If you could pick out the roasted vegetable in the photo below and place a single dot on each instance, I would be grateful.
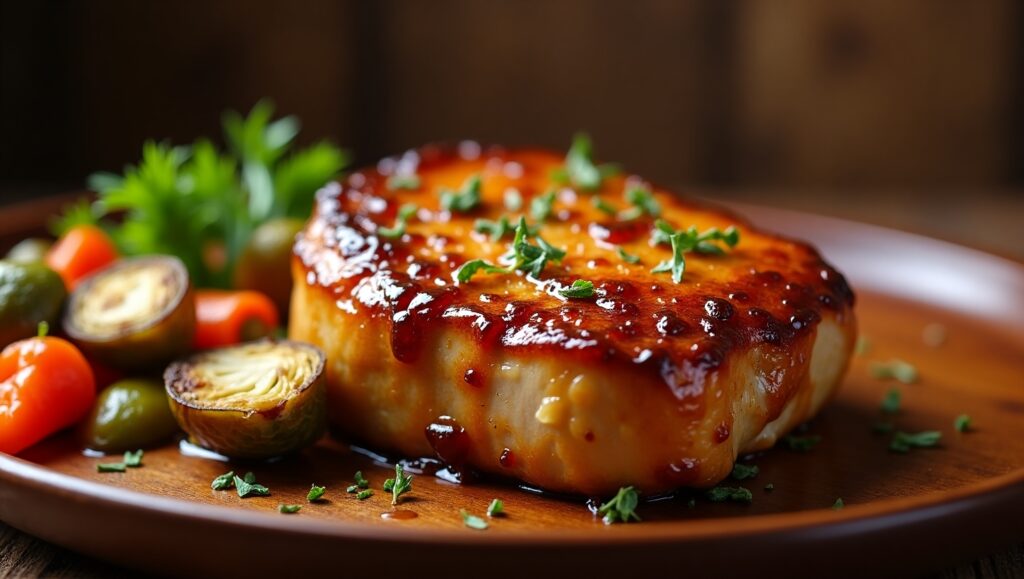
(137, 314)
(127, 415)
(45, 386)
(226, 318)
(256, 400)
(265, 264)
(29, 293)
(81, 251)
(31, 250)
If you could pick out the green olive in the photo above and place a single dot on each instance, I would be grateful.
(29, 293)
(31, 250)
(136, 314)
(129, 414)
(265, 264)
(255, 400)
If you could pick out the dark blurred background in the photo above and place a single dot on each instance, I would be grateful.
(905, 113)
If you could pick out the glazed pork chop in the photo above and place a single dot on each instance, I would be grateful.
(536, 316)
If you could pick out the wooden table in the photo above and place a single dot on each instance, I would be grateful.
(986, 219)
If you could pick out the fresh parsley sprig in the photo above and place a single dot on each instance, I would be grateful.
(315, 493)
(398, 486)
(903, 442)
(496, 508)
(742, 471)
(580, 289)
(542, 206)
(408, 182)
(729, 494)
(642, 201)
(473, 521)
(691, 239)
(621, 508)
(405, 212)
(523, 256)
(464, 200)
(579, 168)
(248, 487)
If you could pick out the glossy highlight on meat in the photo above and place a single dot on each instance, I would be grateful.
(648, 382)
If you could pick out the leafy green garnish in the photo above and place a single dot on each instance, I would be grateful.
(496, 508)
(733, 494)
(183, 201)
(365, 494)
(495, 229)
(315, 493)
(742, 471)
(224, 481)
(472, 521)
(838, 504)
(684, 241)
(288, 509)
(409, 182)
(525, 257)
(621, 508)
(404, 213)
(902, 442)
(801, 443)
(513, 199)
(542, 206)
(579, 168)
(470, 268)
(643, 201)
(891, 402)
(133, 459)
(465, 199)
(247, 487)
(677, 265)
(962, 423)
(399, 485)
(627, 257)
(361, 480)
(894, 369)
(603, 206)
(580, 289)
(111, 467)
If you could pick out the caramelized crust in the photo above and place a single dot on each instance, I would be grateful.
(649, 382)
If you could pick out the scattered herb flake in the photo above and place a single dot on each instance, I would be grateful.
(365, 494)
(473, 521)
(895, 370)
(839, 504)
(465, 199)
(744, 471)
(962, 423)
(249, 477)
(643, 200)
(133, 459)
(580, 289)
(398, 486)
(409, 182)
(603, 206)
(542, 206)
(494, 229)
(801, 443)
(315, 493)
(405, 212)
(580, 169)
(684, 241)
(288, 509)
(627, 257)
(361, 480)
(496, 508)
(224, 481)
(903, 442)
(352, 489)
(732, 494)
(891, 402)
(621, 508)
(111, 467)
(247, 487)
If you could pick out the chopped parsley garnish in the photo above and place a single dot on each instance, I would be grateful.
(495, 229)
(404, 213)
(513, 199)
(962, 423)
(801, 443)
(247, 487)
(684, 241)
(627, 257)
(496, 508)
(643, 201)
(580, 289)
(407, 182)
(111, 467)
(288, 509)
(902, 442)
(580, 169)
(470, 268)
(733, 494)
(365, 494)
(473, 521)
(361, 480)
(399, 485)
(133, 459)
(621, 508)
(769, 487)
(891, 402)
(315, 493)
(744, 471)
(465, 199)
(542, 206)
(895, 370)
(838, 504)
(603, 206)
(224, 481)
(528, 258)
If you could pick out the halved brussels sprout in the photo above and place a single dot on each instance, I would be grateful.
(136, 314)
(255, 400)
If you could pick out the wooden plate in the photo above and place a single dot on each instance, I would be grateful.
(903, 512)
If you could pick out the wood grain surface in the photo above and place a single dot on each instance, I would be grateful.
(975, 369)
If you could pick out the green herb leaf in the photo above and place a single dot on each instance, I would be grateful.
(891, 402)
(603, 206)
(352, 489)
(111, 467)
(742, 471)
(580, 169)
(684, 241)
(580, 289)
(405, 212)
(365, 494)
(495, 229)
(962, 423)
(465, 199)
(621, 508)
(839, 504)
(496, 508)
(903, 442)
(224, 481)
(399, 485)
(542, 206)
(643, 200)
(801, 443)
(407, 182)
(315, 493)
(288, 509)
(894, 369)
(361, 480)
(677, 265)
(470, 268)
(513, 199)
(626, 257)
(247, 487)
(133, 459)
(473, 521)
(732, 494)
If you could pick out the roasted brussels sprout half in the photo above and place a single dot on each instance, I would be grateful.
(127, 415)
(138, 313)
(255, 400)
(29, 293)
